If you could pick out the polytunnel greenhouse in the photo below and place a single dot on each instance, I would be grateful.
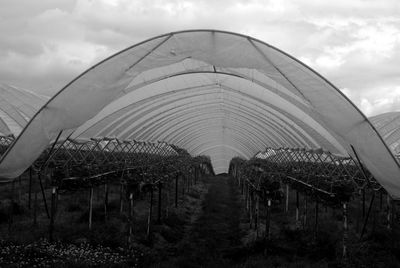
(202, 102)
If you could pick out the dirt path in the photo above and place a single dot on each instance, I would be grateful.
(216, 234)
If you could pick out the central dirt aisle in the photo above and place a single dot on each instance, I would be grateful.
(216, 233)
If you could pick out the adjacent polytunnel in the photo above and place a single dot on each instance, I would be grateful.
(17, 107)
(210, 92)
(388, 125)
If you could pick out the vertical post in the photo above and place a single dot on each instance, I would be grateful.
(30, 188)
(297, 207)
(121, 199)
(251, 208)
(256, 211)
(316, 220)
(363, 203)
(105, 201)
(247, 197)
(130, 219)
(90, 207)
(53, 211)
(287, 198)
(150, 214)
(159, 202)
(176, 191)
(184, 182)
(43, 194)
(35, 205)
(268, 221)
(19, 189)
(305, 212)
(345, 227)
(168, 200)
(388, 212)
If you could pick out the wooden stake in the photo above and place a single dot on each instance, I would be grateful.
(130, 219)
(105, 201)
(35, 206)
(268, 221)
(90, 207)
(121, 199)
(297, 207)
(305, 212)
(43, 194)
(345, 235)
(150, 214)
(256, 212)
(159, 202)
(363, 203)
(30, 188)
(287, 198)
(316, 220)
(176, 191)
(388, 212)
(52, 214)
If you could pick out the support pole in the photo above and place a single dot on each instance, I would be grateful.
(297, 207)
(43, 194)
(363, 203)
(305, 212)
(287, 198)
(150, 214)
(121, 198)
(345, 235)
(251, 209)
(52, 214)
(90, 207)
(159, 202)
(35, 207)
(257, 206)
(130, 219)
(176, 191)
(388, 212)
(30, 188)
(366, 218)
(105, 201)
(316, 220)
(268, 221)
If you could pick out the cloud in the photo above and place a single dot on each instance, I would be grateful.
(355, 44)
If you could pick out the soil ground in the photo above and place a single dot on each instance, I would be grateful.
(209, 228)
(216, 235)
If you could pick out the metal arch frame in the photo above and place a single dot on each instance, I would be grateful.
(198, 148)
(163, 127)
(206, 121)
(245, 151)
(264, 86)
(183, 130)
(202, 131)
(273, 91)
(264, 118)
(316, 134)
(248, 115)
(332, 87)
(175, 134)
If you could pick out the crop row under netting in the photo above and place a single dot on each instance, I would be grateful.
(320, 176)
(137, 167)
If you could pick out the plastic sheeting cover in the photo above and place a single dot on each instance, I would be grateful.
(17, 107)
(211, 92)
(388, 125)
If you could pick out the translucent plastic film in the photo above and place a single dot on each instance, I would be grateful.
(210, 92)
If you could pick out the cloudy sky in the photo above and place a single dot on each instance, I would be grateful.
(354, 43)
